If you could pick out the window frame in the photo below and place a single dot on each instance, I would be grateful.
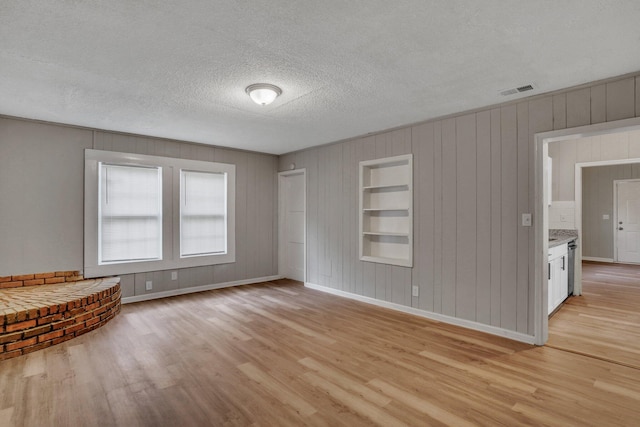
(171, 171)
(101, 186)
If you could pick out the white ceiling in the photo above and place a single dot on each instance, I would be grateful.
(178, 69)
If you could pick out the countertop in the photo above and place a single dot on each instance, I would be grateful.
(559, 237)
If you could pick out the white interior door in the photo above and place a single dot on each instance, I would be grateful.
(292, 191)
(627, 230)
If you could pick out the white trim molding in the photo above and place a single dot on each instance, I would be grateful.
(176, 292)
(481, 327)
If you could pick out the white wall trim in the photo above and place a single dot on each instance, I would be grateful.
(596, 259)
(517, 336)
(184, 291)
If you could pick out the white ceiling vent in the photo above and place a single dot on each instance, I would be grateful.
(519, 89)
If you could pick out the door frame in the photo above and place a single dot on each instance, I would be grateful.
(615, 213)
(282, 176)
(541, 214)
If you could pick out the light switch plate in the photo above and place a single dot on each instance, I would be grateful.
(605, 216)
(526, 220)
(415, 291)
(148, 285)
(174, 275)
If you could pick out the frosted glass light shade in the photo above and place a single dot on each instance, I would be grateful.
(263, 93)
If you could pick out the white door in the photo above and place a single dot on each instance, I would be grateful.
(292, 189)
(627, 229)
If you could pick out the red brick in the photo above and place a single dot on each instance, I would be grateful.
(37, 331)
(11, 318)
(20, 344)
(83, 317)
(32, 313)
(14, 284)
(5, 338)
(5, 279)
(44, 275)
(65, 273)
(34, 282)
(54, 280)
(20, 316)
(23, 277)
(36, 347)
(62, 339)
(92, 321)
(99, 311)
(93, 306)
(74, 328)
(74, 313)
(44, 311)
(63, 324)
(21, 325)
(74, 278)
(10, 354)
(49, 319)
(50, 336)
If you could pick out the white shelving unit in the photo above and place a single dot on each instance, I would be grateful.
(386, 210)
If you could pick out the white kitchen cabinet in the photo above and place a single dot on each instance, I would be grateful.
(386, 210)
(558, 276)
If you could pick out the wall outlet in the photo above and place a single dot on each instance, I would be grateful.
(526, 220)
(605, 216)
(174, 275)
(148, 285)
(415, 291)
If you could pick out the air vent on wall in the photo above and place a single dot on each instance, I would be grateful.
(524, 88)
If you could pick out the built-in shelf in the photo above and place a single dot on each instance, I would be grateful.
(384, 187)
(386, 210)
(384, 233)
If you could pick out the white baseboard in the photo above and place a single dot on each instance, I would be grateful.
(493, 330)
(596, 259)
(175, 292)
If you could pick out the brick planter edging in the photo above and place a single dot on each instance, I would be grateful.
(18, 281)
(38, 317)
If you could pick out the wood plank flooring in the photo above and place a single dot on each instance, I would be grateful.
(278, 354)
(603, 322)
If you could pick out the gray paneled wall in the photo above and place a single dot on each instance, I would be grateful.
(473, 178)
(41, 213)
(565, 154)
(597, 200)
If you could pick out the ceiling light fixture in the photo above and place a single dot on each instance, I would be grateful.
(263, 93)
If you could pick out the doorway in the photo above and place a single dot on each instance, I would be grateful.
(291, 224)
(618, 153)
(627, 221)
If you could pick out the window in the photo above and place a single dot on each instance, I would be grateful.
(130, 219)
(150, 213)
(202, 213)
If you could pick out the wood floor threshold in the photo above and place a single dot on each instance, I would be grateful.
(592, 356)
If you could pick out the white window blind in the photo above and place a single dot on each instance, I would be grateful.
(130, 216)
(203, 210)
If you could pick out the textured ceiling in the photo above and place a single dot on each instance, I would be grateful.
(178, 69)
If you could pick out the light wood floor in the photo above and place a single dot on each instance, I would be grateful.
(604, 322)
(282, 355)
